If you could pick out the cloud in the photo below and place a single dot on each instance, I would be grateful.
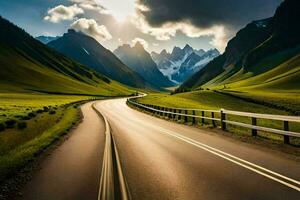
(155, 44)
(91, 28)
(219, 19)
(143, 42)
(60, 13)
(92, 5)
(206, 13)
(169, 30)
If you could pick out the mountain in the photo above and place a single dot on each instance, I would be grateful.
(193, 63)
(182, 63)
(188, 67)
(87, 51)
(27, 65)
(258, 50)
(201, 52)
(46, 39)
(139, 60)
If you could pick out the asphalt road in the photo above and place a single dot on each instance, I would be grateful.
(164, 160)
(72, 171)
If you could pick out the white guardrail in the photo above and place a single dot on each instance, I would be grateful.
(184, 113)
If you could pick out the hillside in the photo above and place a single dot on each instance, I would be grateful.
(139, 60)
(27, 65)
(87, 51)
(261, 49)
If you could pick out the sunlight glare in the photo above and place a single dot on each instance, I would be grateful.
(120, 9)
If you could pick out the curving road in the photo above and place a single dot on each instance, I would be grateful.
(164, 160)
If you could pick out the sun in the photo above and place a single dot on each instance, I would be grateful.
(120, 9)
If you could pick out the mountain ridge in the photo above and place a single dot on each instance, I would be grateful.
(256, 49)
(139, 60)
(175, 66)
(46, 39)
(86, 50)
(27, 65)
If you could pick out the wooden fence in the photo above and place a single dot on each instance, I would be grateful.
(211, 115)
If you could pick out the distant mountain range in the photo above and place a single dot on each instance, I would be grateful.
(182, 63)
(46, 39)
(133, 66)
(264, 54)
(139, 60)
(27, 65)
(86, 50)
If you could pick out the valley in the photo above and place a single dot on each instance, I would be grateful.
(145, 100)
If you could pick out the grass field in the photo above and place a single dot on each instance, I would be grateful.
(214, 100)
(31, 122)
(280, 99)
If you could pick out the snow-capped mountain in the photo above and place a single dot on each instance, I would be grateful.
(140, 61)
(182, 63)
(47, 39)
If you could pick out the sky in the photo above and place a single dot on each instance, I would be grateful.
(157, 24)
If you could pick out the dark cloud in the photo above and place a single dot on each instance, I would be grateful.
(206, 13)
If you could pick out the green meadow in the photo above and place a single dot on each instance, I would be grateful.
(29, 123)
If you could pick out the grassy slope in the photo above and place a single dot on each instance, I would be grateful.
(279, 86)
(20, 147)
(19, 74)
(28, 65)
(284, 76)
(47, 117)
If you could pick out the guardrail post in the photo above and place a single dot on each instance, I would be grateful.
(166, 114)
(254, 123)
(194, 118)
(286, 138)
(223, 118)
(170, 115)
(213, 117)
(202, 119)
(174, 115)
(179, 116)
(185, 117)
(158, 110)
